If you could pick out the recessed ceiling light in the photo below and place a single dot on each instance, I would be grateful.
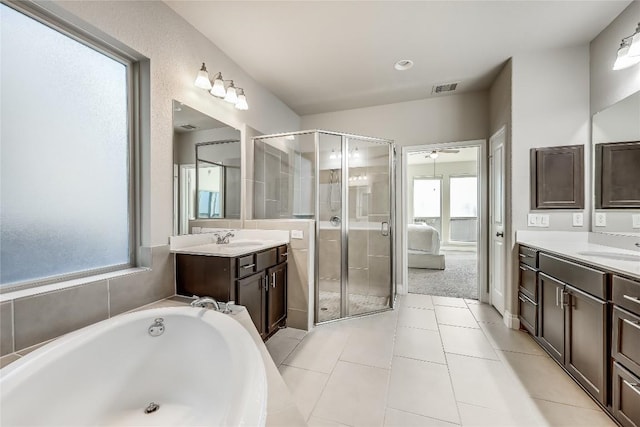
(403, 64)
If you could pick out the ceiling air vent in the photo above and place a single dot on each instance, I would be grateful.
(188, 127)
(447, 87)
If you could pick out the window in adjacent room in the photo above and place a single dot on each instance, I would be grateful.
(427, 201)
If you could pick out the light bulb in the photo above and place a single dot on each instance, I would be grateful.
(333, 156)
(218, 86)
(232, 95)
(202, 79)
(624, 60)
(433, 155)
(241, 104)
(356, 153)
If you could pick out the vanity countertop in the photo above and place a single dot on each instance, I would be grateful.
(576, 245)
(232, 249)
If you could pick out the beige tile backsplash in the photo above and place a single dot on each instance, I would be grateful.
(27, 321)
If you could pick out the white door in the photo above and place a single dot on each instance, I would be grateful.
(497, 250)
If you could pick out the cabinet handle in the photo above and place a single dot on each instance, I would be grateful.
(634, 324)
(632, 298)
(557, 297)
(273, 279)
(632, 386)
(248, 266)
(285, 254)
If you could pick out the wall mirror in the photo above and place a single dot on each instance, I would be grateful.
(207, 168)
(616, 167)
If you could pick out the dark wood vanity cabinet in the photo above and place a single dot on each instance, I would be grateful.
(572, 322)
(625, 350)
(257, 281)
(528, 289)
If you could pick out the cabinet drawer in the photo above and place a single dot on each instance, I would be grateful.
(283, 253)
(528, 314)
(626, 293)
(625, 342)
(528, 256)
(246, 266)
(626, 397)
(528, 282)
(584, 278)
(266, 259)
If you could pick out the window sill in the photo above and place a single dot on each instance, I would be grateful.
(37, 290)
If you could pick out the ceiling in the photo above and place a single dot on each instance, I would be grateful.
(320, 56)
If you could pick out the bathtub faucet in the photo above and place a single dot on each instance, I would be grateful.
(203, 301)
(223, 240)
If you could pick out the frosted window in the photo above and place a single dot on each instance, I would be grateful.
(426, 198)
(464, 197)
(64, 154)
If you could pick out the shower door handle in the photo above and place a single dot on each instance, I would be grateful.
(384, 229)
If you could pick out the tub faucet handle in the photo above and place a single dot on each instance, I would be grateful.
(227, 307)
(203, 301)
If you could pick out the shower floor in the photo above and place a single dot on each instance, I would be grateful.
(358, 304)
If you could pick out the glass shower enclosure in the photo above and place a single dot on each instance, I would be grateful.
(346, 184)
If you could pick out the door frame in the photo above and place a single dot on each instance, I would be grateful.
(483, 217)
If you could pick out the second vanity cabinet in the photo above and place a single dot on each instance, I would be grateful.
(257, 281)
(588, 320)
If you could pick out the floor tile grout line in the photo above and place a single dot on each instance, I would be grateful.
(425, 416)
(453, 390)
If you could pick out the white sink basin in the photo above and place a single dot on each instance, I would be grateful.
(612, 255)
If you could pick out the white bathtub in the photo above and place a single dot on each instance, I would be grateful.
(204, 369)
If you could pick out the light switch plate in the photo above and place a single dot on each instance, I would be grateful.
(297, 234)
(544, 220)
(601, 219)
(531, 220)
(636, 220)
(578, 219)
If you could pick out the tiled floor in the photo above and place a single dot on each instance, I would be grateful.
(435, 361)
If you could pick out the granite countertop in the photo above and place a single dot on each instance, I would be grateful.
(233, 249)
(576, 246)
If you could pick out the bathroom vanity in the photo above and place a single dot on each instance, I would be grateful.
(581, 303)
(253, 273)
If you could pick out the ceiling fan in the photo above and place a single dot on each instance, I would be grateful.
(433, 154)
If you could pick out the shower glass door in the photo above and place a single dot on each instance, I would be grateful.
(368, 214)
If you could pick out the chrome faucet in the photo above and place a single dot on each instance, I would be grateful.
(203, 301)
(223, 240)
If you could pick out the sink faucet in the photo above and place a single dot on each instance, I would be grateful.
(203, 301)
(223, 240)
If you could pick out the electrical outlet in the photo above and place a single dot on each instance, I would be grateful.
(636, 220)
(601, 219)
(297, 234)
(578, 219)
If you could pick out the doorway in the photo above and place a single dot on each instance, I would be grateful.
(445, 220)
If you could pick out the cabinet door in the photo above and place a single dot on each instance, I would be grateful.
(276, 296)
(551, 319)
(585, 353)
(251, 294)
(626, 397)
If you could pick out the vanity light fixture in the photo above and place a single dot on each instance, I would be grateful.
(333, 156)
(433, 155)
(629, 51)
(219, 89)
(202, 79)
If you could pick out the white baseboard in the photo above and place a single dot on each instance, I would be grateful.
(511, 320)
